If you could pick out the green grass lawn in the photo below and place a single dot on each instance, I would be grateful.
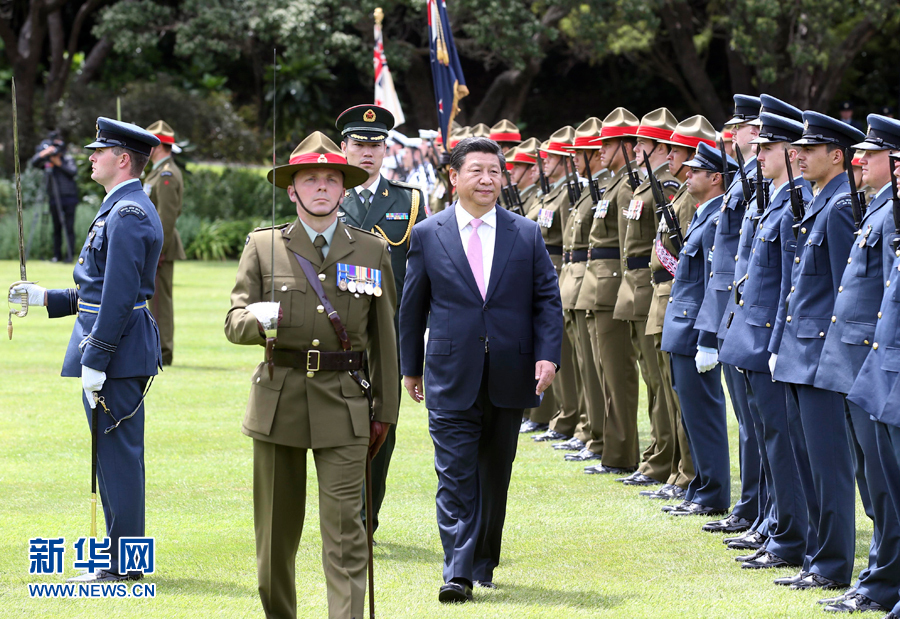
(575, 545)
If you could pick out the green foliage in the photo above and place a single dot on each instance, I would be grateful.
(235, 193)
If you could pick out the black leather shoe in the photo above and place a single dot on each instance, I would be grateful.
(532, 426)
(573, 444)
(697, 510)
(455, 593)
(856, 603)
(639, 479)
(752, 556)
(766, 560)
(731, 524)
(737, 538)
(749, 542)
(615, 470)
(815, 581)
(838, 598)
(671, 508)
(787, 581)
(550, 435)
(583, 456)
(658, 493)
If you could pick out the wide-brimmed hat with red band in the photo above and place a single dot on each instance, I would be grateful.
(560, 143)
(163, 131)
(317, 151)
(619, 123)
(587, 135)
(657, 125)
(506, 131)
(690, 132)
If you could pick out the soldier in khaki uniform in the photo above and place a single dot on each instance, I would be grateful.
(575, 257)
(551, 212)
(165, 186)
(506, 134)
(637, 238)
(309, 400)
(682, 144)
(610, 338)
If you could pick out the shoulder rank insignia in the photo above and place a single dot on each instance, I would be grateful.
(132, 210)
(165, 173)
(359, 280)
(396, 216)
(385, 193)
(346, 192)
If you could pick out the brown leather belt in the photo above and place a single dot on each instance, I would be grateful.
(317, 360)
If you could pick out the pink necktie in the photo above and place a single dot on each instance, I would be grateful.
(476, 261)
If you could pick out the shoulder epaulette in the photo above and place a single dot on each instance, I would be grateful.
(278, 227)
(370, 233)
(405, 185)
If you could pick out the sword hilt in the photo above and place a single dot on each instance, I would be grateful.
(21, 312)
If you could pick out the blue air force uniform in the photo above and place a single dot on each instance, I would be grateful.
(769, 245)
(115, 333)
(701, 396)
(823, 244)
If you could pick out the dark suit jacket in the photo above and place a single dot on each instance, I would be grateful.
(520, 319)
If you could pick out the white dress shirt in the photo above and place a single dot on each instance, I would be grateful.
(487, 233)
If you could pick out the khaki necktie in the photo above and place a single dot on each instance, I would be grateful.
(319, 244)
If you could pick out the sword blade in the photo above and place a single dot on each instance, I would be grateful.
(21, 229)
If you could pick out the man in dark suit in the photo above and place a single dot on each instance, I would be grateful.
(494, 346)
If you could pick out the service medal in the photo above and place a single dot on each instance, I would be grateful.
(342, 284)
(377, 292)
(370, 289)
(351, 286)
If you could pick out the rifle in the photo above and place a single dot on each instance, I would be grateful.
(895, 243)
(725, 176)
(592, 182)
(632, 175)
(665, 210)
(511, 195)
(545, 184)
(745, 184)
(572, 188)
(857, 198)
(762, 191)
(21, 313)
(796, 194)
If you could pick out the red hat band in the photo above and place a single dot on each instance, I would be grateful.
(654, 133)
(615, 132)
(317, 158)
(165, 139)
(506, 137)
(691, 141)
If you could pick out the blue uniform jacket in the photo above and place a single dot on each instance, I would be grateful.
(114, 276)
(823, 245)
(856, 308)
(721, 277)
(875, 388)
(770, 256)
(694, 266)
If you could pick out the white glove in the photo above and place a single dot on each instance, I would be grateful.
(772, 360)
(266, 314)
(36, 294)
(706, 360)
(663, 227)
(91, 381)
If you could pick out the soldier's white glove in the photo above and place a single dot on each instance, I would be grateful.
(706, 359)
(267, 314)
(91, 381)
(36, 294)
(662, 228)
(772, 360)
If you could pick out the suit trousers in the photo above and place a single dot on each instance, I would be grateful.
(831, 496)
(279, 509)
(881, 578)
(752, 503)
(473, 457)
(615, 359)
(681, 471)
(570, 401)
(788, 530)
(656, 461)
(120, 460)
(162, 308)
(597, 403)
(888, 440)
(703, 414)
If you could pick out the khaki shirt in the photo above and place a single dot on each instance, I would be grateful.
(165, 187)
(685, 204)
(576, 237)
(329, 409)
(636, 234)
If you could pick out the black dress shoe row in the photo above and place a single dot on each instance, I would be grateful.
(602, 469)
(639, 479)
(669, 492)
(751, 540)
(532, 426)
(731, 524)
(855, 603)
(816, 581)
(766, 560)
(583, 456)
(573, 444)
(550, 435)
(695, 509)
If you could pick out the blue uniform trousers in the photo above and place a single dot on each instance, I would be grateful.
(789, 527)
(888, 440)
(703, 414)
(752, 504)
(881, 578)
(473, 456)
(120, 460)
(831, 496)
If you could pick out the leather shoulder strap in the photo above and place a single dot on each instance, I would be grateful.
(313, 280)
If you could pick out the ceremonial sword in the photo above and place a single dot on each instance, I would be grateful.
(21, 313)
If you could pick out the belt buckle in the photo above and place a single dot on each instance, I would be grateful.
(309, 360)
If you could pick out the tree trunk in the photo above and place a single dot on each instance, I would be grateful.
(416, 81)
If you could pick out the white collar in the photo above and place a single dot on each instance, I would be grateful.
(463, 217)
(373, 187)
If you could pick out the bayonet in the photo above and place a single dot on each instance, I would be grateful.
(895, 243)
(857, 198)
(762, 191)
(545, 184)
(592, 182)
(511, 194)
(21, 313)
(725, 175)
(797, 206)
(665, 210)
(633, 179)
(571, 189)
(745, 183)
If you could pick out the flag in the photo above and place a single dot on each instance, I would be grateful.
(385, 94)
(449, 83)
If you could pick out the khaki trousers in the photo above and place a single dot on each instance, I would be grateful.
(657, 458)
(279, 507)
(597, 401)
(162, 309)
(615, 359)
(569, 398)
(682, 469)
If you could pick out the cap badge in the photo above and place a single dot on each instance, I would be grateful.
(806, 125)
(369, 116)
(322, 159)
